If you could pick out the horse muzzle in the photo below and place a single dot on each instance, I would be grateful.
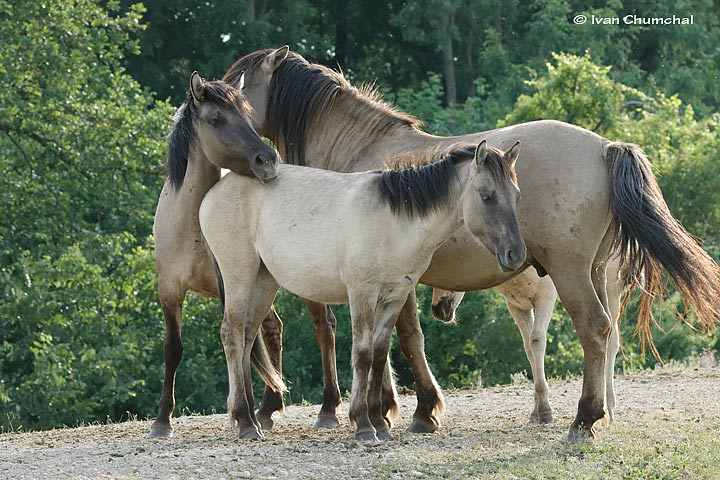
(264, 167)
(443, 310)
(511, 260)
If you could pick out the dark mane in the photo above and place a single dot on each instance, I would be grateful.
(300, 91)
(182, 136)
(419, 190)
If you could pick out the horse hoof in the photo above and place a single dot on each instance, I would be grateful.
(251, 434)
(579, 435)
(417, 426)
(266, 423)
(160, 432)
(366, 437)
(384, 435)
(327, 421)
(541, 418)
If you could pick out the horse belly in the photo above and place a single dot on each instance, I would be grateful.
(305, 272)
(463, 264)
(318, 288)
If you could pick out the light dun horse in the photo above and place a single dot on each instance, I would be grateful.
(363, 239)
(211, 131)
(582, 195)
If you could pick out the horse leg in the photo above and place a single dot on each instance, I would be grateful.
(272, 401)
(234, 340)
(324, 324)
(258, 310)
(614, 291)
(525, 321)
(430, 403)
(239, 286)
(380, 369)
(362, 313)
(171, 301)
(577, 290)
(544, 306)
(613, 347)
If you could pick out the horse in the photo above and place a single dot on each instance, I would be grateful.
(530, 299)
(584, 196)
(358, 238)
(211, 130)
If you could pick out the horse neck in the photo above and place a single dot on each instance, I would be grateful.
(200, 177)
(343, 139)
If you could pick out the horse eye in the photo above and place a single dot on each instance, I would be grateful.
(486, 196)
(215, 119)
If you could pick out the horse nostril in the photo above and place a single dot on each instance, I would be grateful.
(511, 256)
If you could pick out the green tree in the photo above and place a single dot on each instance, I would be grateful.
(81, 153)
(209, 36)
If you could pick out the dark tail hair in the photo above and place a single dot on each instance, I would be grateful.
(264, 367)
(649, 238)
(259, 356)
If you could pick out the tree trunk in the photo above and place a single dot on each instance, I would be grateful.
(448, 62)
(340, 32)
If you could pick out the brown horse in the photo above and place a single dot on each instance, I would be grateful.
(583, 196)
(214, 125)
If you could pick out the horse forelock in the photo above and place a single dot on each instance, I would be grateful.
(225, 95)
(500, 167)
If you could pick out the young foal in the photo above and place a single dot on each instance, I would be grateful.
(363, 239)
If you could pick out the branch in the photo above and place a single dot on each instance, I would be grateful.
(45, 142)
(25, 155)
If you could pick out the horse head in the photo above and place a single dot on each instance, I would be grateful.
(256, 71)
(222, 129)
(489, 205)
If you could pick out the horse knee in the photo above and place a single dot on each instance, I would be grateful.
(362, 357)
(538, 339)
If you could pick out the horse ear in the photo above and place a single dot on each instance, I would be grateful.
(241, 83)
(512, 154)
(481, 153)
(274, 59)
(197, 88)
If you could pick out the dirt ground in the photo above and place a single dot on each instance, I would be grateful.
(489, 424)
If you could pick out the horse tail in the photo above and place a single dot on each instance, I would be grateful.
(649, 238)
(259, 356)
(263, 365)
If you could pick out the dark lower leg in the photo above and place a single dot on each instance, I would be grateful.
(324, 325)
(592, 323)
(412, 342)
(173, 350)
